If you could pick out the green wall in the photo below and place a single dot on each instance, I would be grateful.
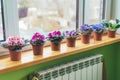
(111, 58)
(117, 56)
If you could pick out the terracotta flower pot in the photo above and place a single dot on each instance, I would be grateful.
(85, 39)
(15, 55)
(111, 34)
(37, 50)
(98, 36)
(55, 47)
(71, 42)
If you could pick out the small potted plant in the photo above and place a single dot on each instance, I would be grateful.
(112, 26)
(98, 31)
(55, 37)
(37, 41)
(14, 44)
(85, 31)
(71, 38)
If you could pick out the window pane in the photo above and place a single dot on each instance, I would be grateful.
(1, 24)
(93, 11)
(45, 16)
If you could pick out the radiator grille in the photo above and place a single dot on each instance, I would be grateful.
(89, 68)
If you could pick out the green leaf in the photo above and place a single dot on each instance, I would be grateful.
(117, 21)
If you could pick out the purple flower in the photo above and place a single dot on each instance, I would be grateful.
(85, 29)
(72, 33)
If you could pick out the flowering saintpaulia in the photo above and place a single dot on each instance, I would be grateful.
(98, 28)
(112, 21)
(55, 34)
(72, 33)
(85, 29)
(38, 36)
(15, 41)
(37, 39)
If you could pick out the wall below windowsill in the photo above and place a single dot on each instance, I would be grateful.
(28, 59)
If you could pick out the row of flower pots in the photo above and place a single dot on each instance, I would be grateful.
(15, 43)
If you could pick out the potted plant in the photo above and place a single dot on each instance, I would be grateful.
(14, 44)
(55, 37)
(112, 26)
(37, 41)
(23, 8)
(71, 38)
(98, 31)
(85, 31)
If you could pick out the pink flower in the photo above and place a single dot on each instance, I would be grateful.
(42, 37)
(14, 41)
(112, 21)
(50, 35)
(54, 34)
(38, 36)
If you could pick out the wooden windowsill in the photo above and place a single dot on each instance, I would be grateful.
(28, 59)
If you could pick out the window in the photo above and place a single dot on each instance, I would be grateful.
(48, 15)
(45, 16)
(2, 29)
(94, 11)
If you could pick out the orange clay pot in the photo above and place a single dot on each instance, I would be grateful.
(71, 42)
(55, 47)
(111, 34)
(15, 55)
(85, 39)
(37, 49)
(98, 36)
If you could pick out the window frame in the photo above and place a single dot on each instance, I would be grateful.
(3, 24)
(12, 14)
(104, 8)
(11, 17)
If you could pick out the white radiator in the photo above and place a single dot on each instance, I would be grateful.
(89, 68)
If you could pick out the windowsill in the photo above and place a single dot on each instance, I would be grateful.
(28, 59)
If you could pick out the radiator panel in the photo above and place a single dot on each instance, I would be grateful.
(89, 68)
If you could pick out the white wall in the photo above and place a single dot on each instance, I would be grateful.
(115, 9)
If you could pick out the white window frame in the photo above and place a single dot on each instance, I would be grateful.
(108, 9)
(86, 10)
(11, 17)
(12, 20)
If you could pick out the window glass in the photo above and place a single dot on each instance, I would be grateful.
(1, 23)
(93, 11)
(45, 16)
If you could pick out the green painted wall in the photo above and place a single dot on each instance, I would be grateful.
(117, 69)
(110, 53)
